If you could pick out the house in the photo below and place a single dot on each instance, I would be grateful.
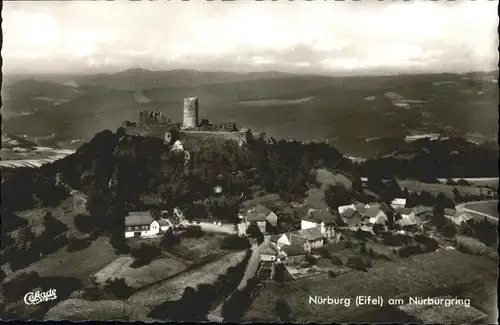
(141, 224)
(322, 218)
(268, 252)
(450, 212)
(375, 215)
(262, 216)
(307, 238)
(79, 202)
(409, 222)
(295, 253)
(343, 208)
(404, 212)
(350, 213)
(313, 236)
(398, 203)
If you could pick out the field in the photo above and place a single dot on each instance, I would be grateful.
(83, 310)
(172, 289)
(79, 264)
(418, 275)
(490, 208)
(141, 276)
(191, 249)
(416, 186)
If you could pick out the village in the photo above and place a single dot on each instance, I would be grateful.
(326, 242)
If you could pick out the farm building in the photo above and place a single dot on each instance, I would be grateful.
(143, 224)
(322, 218)
(262, 216)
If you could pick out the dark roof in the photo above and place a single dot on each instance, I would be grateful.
(360, 207)
(372, 211)
(350, 213)
(353, 220)
(303, 211)
(403, 210)
(295, 250)
(311, 233)
(258, 213)
(164, 222)
(269, 248)
(322, 215)
(295, 237)
(139, 218)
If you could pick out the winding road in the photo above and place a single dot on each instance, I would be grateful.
(463, 208)
(251, 270)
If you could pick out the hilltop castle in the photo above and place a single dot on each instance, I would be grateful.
(155, 124)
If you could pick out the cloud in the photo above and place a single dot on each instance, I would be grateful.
(299, 36)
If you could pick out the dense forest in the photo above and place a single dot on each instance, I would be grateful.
(427, 160)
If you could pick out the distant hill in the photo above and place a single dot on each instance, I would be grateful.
(344, 110)
(428, 160)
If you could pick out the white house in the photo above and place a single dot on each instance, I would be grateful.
(398, 203)
(343, 208)
(142, 224)
(405, 212)
(322, 219)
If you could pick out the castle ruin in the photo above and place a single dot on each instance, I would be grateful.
(155, 124)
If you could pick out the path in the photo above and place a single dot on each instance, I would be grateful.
(251, 270)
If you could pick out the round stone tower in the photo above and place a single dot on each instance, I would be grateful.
(190, 112)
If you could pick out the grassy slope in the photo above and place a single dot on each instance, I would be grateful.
(172, 289)
(490, 208)
(80, 264)
(418, 275)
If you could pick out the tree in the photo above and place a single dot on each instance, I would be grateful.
(254, 231)
(145, 254)
(337, 195)
(283, 310)
(169, 239)
(118, 287)
(378, 228)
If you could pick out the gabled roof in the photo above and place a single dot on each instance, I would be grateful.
(350, 213)
(165, 223)
(269, 248)
(311, 233)
(322, 215)
(139, 218)
(403, 210)
(258, 213)
(296, 237)
(295, 249)
(360, 207)
(373, 211)
(303, 211)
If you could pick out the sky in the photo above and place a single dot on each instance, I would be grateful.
(326, 37)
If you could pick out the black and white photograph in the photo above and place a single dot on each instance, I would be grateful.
(250, 161)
